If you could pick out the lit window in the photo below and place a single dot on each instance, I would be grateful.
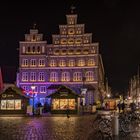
(41, 62)
(71, 63)
(24, 62)
(77, 76)
(53, 76)
(38, 49)
(52, 63)
(91, 62)
(86, 51)
(33, 76)
(89, 76)
(65, 76)
(64, 51)
(24, 76)
(42, 89)
(33, 62)
(70, 51)
(41, 76)
(33, 49)
(81, 62)
(62, 63)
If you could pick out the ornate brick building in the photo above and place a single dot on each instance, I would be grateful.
(72, 60)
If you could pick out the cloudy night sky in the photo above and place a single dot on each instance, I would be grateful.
(115, 24)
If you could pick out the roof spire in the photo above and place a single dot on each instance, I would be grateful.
(72, 9)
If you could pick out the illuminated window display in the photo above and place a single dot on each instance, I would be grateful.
(10, 104)
(63, 104)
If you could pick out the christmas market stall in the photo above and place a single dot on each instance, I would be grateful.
(13, 101)
(64, 100)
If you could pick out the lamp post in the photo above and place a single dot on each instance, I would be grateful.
(33, 88)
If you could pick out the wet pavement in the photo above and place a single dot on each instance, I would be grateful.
(49, 128)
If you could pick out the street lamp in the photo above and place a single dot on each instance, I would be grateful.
(33, 88)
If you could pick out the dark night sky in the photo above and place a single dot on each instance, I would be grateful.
(115, 24)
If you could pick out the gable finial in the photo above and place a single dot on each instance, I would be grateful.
(34, 26)
(72, 9)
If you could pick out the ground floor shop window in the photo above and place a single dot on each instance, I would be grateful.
(10, 104)
(63, 104)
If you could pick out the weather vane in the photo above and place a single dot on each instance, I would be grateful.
(34, 25)
(72, 9)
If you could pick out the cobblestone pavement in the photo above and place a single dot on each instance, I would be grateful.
(47, 128)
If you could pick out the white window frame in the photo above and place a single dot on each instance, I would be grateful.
(42, 89)
(81, 62)
(53, 76)
(41, 62)
(53, 63)
(33, 76)
(33, 62)
(41, 76)
(24, 76)
(62, 63)
(89, 76)
(25, 62)
(65, 76)
(77, 76)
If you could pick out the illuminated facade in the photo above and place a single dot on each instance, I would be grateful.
(72, 60)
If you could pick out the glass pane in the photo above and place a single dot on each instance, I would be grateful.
(10, 104)
(17, 104)
(55, 103)
(63, 104)
(3, 104)
(71, 104)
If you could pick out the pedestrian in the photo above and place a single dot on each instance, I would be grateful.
(119, 107)
(106, 105)
(123, 107)
(67, 112)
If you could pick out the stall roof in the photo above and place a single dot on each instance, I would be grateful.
(15, 90)
(62, 90)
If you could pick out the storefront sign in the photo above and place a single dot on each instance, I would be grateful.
(7, 96)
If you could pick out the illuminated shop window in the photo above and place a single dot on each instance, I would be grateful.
(41, 62)
(33, 76)
(65, 76)
(11, 104)
(42, 89)
(24, 76)
(89, 76)
(53, 76)
(41, 76)
(71, 63)
(81, 62)
(91, 62)
(52, 63)
(33, 62)
(77, 76)
(63, 104)
(24, 62)
(62, 63)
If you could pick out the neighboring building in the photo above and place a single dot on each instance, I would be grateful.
(1, 81)
(72, 60)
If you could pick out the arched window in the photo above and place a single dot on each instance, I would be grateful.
(52, 63)
(62, 63)
(38, 49)
(71, 63)
(89, 76)
(81, 62)
(91, 62)
(77, 76)
(33, 49)
(65, 76)
(29, 49)
(53, 76)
